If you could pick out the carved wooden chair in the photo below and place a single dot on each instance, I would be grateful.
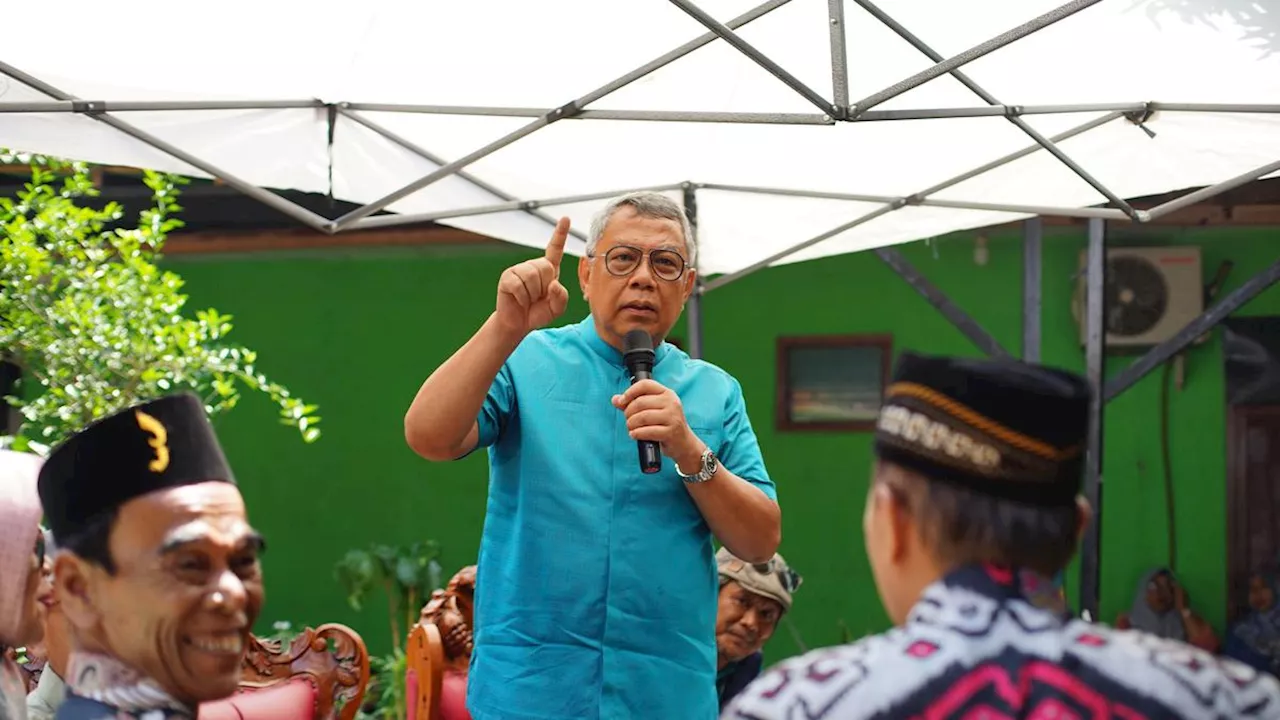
(439, 651)
(321, 675)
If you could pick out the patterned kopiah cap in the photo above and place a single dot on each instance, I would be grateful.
(1002, 427)
(153, 446)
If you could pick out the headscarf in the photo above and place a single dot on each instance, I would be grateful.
(19, 524)
(1260, 629)
(1144, 617)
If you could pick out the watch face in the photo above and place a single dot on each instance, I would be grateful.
(709, 463)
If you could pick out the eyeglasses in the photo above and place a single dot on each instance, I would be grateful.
(622, 260)
(789, 578)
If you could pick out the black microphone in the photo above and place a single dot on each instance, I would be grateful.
(638, 356)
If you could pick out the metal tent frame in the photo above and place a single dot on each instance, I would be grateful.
(837, 109)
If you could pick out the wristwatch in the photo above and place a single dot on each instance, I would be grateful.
(710, 464)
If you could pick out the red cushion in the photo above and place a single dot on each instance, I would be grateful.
(453, 697)
(295, 700)
(411, 694)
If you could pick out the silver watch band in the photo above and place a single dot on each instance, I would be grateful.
(708, 467)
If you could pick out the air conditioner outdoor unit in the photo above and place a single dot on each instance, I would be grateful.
(1151, 293)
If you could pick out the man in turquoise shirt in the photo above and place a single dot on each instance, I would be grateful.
(596, 587)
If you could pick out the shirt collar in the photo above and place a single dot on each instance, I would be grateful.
(996, 582)
(107, 680)
(50, 690)
(587, 330)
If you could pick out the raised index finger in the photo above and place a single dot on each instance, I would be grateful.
(555, 248)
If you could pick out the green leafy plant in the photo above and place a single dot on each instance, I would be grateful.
(386, 699)
(406, 575)
(87, 314)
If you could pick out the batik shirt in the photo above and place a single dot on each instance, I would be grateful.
(974, 647)
(102, 688)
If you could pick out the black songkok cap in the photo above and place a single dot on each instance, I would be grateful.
(1003, 428)
(148, 447)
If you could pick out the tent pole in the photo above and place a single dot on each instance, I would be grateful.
(1162, 353)
(903, 202)
(266, 197)
(382, 221)
(1095, 365)
(444, 171)
(759, 58)
(694, 318)
(463, 174)
(1082, 212)
(839, 58)
(963, 322)
(568, 109)
(100, 106)
(756, 118)
(970, 55)
(990, 99)
(1032, 271)
(1215, 107)
(997, 110)
(1196, 196)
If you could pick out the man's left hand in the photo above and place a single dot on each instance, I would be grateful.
(654, 412)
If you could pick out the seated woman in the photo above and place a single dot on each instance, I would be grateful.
(1162, 607)
(753, 598)
(21, 560)
(43, 701)
(1255, 638)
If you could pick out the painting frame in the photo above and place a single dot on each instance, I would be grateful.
(787, 419)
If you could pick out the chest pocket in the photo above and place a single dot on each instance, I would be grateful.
(711, 433)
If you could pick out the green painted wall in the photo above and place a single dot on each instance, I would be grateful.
(357, 333)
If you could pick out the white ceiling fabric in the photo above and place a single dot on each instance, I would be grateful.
(505, 53)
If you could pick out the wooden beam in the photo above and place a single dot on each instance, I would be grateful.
(197, 243)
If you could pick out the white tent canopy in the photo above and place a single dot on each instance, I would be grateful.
(804, 128)
(364, 99)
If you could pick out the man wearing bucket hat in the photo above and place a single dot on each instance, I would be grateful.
(753, 598)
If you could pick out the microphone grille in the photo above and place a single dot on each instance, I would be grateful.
(637, 340)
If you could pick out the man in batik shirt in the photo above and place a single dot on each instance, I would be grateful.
(977, 479)
(157, 570)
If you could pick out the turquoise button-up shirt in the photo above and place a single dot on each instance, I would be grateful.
(596, 586)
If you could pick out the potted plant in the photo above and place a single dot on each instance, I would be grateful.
(406, 575)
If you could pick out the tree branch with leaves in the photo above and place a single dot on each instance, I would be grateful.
(95, 324)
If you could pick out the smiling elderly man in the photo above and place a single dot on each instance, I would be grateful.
(157, 573)
(596, 587)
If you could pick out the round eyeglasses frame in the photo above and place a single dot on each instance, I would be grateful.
(662, 273)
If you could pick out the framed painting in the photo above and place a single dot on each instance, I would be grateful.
(832, 382)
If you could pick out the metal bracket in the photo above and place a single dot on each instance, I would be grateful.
(930, 292)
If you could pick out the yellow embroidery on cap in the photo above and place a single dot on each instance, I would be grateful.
(159, 438)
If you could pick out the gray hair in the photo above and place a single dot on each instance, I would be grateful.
(646, 204)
